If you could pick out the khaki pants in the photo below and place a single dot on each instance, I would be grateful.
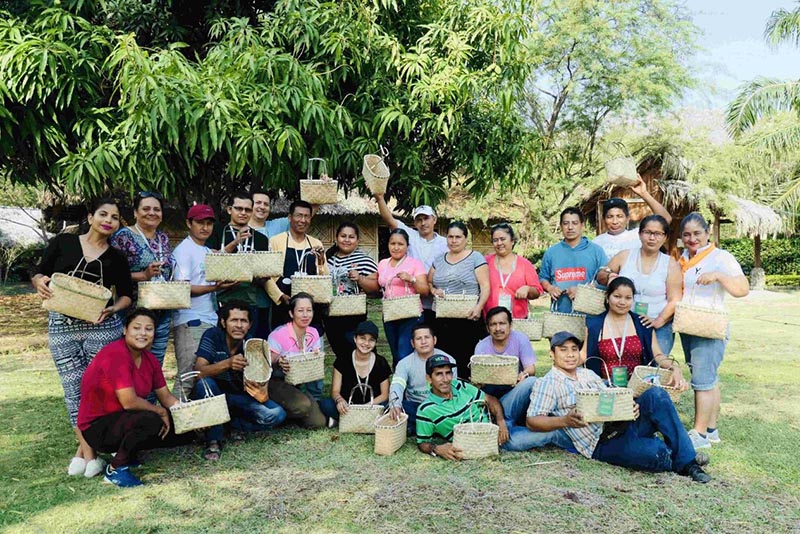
(297, 404)
(187, 339)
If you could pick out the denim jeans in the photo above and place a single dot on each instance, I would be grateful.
(665, 337)
(328, 407)
(247, 414)
(398, 336)
(639, 448)
(515, 407)
(410, 407)
(704, 356)
(161, 337)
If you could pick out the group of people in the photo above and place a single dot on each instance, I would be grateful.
(118, 402)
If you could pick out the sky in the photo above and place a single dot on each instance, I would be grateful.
(734, 51)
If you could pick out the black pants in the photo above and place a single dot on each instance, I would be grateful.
(340, 331)
(458, 337)
(129, 431)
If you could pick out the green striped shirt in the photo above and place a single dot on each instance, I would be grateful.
(437, 415)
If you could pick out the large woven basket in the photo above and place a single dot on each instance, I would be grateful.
(454, 306)
(266, 264)
(588, 402)
(161, 295)
(645, 377)
(318, 191)
(344, 305)
(405, 307)
(318, 286)
(390, 435)
(700, 321)
(531, 327)
(589, 300)
(574, 323)
(621, 171)
(476, 440)
(203, 413)
(257, 354)
(360, 418)
(376, 174)
(76, 297)
(223, 267)
(305, 367)
(497, 369)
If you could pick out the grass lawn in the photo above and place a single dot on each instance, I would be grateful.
(291, 479)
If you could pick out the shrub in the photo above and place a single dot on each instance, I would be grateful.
(778, 256)
(783, 280)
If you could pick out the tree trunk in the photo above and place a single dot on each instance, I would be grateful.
(716, 228)
(757, 252)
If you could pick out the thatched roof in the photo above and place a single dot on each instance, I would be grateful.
(18, 226)
(754, 219)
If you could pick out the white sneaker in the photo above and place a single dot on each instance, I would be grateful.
(698, 441)
(94, 467)
(77, 466)
(713, 437)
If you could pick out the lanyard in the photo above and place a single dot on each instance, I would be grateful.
(504, 281)
(244, 246)
(158, 254)
(299, 254)
(362, 385)
(620, 350)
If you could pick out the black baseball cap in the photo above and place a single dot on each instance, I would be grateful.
(438, 360)
(367, 327)
(559, 338)
(615, 202)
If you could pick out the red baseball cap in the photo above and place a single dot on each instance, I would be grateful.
(198, 212)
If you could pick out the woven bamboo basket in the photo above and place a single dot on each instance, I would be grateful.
(622, 171)
(390, 435)
(454, 306)
(360, 418)
(161, 295)
(223, 267)
(266, 263)
(203, 413)
(344, 305)
(701, 321)
(496, 369)
(589, 300)
(317, 285)
(376, 173)
(258, 369)
(476, 440)
(574, 323)
(76, 297)
(531, 327)
(405, 307)
(318, 191)
(305, 367)
(643, 378)
(588, 402)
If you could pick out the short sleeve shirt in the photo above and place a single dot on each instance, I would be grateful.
(524, 275)
(379, 373)
(284, 342)
(458, 278)
(190, 265)
(341, 267)
(422, 249)
(393, 286)
(213, 348)
(518, 345)
(614, 244)
(438, 416)
(711, 294)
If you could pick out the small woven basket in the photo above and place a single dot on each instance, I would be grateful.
(161, 295)
(223, 267)
(390, 435)
(76, 297)
(476, 440)
(266, 264)
(454, 306)
(317, 285)
(574, 323)
(344, 305)
(203, 413)
(496, 369)
(701, 321)
(322, 191)
(258, 369)
(305, 367)
(621, 171)
(360, 418)
(376, 173)
(588, 402)
(645, 377)
(589, 299)
(531, 327)
(404, 307)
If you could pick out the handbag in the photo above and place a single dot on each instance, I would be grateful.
(390, 434)
(454, 306)
(224, 267)
(209, 411)
(406, 306)
(360, 418)
(376, 172)
(645, 377)
(257, 354)
(165, 294)
(531, 327)
(589, 299)
(75, 297)
(701, 321)
(266, 263)
(603, 405)
(345, 305)
(495, 369)
(305, 367)
(574, 323)
(621, 170)
(320, 191)
(316, 285)
(476, 440)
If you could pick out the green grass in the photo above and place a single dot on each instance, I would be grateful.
(292, 479)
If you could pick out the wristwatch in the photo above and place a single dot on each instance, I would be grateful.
(433, 452)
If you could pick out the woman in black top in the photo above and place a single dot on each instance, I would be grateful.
(74, 342)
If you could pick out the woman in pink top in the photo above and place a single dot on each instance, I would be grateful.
(513, 278)
(400, 275)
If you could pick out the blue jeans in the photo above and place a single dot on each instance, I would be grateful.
(639, 448)
(398, 336)
(704, 356)
(328, 407)
(410, 407)
(665, 337)
(515, 407)
(161, 337)
(247, 414)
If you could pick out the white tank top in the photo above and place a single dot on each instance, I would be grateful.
(651, 289)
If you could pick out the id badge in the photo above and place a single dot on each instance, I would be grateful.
(619, 376)
(640, 308)
(605, 405)
(504, 301)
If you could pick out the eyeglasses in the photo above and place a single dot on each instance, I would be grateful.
(149, 194)
(242, 209)
(648, 233)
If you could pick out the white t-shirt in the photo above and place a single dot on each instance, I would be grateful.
(712, 294)
(422, 249)
(190, 259)
(614, 244)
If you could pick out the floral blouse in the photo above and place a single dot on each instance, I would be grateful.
(141, 252)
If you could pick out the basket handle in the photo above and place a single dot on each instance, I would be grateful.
(714, 298)
(485, 408)
(321, 165)
(605, 365)
(363, 388)
(192, 374)
(83, 261)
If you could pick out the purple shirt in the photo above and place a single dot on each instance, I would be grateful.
(518, 345)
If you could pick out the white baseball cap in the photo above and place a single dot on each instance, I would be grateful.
(423, 210)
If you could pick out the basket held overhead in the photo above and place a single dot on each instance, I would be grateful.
(322, 190)
(376, 172)
(621, 170)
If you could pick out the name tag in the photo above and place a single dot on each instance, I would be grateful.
(605, 405)
(619, 376)
(640, 308)
(504, 301)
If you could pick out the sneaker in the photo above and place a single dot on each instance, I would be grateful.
(713, 437)
(121, 477)
(331, 422)
(699, 442)
(77, 466)
(94, 467)
(696, 473)
(702, 458)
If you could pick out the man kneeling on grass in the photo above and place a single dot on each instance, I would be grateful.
(627, 443)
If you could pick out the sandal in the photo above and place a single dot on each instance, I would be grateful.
(236, 436)
(212, 452)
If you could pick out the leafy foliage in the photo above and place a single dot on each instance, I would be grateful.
(778, 256)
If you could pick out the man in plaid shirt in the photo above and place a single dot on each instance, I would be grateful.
(627, 443)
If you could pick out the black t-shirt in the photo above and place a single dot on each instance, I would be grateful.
(380, 372)
(63, 254)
